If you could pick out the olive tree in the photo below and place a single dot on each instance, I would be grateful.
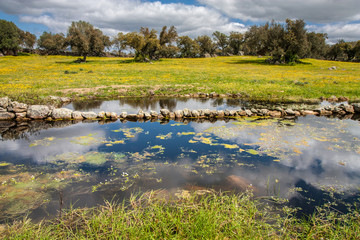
(167, 40)
(10, 37)
(206, 45)
(86, 40)
(52, 43)
(188, 47)
(221, 41)
(145, 43)
(236, 40)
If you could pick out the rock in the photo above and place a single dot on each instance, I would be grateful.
(248, 112)
(147, 115)
(227, 112)
(356, 107)
(172, 115)
(241, 113)
(333, 99)
(264, 112)
(38, 111)
(275, 114)
(203, 95)
(20, 115)
(337, 109)
(253, 110)
(101, 114)
(4, 102)
(89, 115)
(201, 112)
(347, 108)
(61, 113)
(108, 114)
(332, 68)
(207, 112)
(343, 99)
(123, 115)
(329, 108)
(186, 112)
(297, 113)
(77, 115)
(65, 100)
(324, 112)
(3, 109)
(179, 114)
(7, 124)
(153, 114)
(7, 115)
(151, 92)
(220, 114)
(290, 112)
(195, 114)
(132, 116)
(17, 107)
(308, 112)
(213, 113)
(165, 112)
(233, 113)
(140, 114)
(113, 115)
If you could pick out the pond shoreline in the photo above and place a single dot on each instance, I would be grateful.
(13, 110)
(18, 118)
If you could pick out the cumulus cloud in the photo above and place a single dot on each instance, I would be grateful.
(121, 15)
(346, 31)
(317, 11)
(333, 17)
(61, 144)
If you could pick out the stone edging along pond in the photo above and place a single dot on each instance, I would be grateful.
(13, 110)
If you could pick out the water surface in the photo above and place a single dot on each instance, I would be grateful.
(307, 160)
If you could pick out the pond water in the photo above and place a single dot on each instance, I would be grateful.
(308, 160)
(132, 105)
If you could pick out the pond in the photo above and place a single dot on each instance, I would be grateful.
(132, 105)
(55, 165)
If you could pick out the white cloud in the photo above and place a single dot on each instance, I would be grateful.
(121, 15)
(317, 11)
(348, 32)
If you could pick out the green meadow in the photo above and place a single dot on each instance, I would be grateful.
(33, 78)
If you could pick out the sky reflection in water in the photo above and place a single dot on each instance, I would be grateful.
(88, 162)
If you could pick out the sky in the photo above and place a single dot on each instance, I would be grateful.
(340, 19)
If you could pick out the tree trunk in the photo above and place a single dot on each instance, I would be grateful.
(84, 59)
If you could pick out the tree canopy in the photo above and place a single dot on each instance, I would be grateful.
(281, 42)
(86, 40)
(10, 37)
(52, 43)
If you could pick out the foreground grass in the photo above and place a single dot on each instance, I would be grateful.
(35, 77)
(213, 216)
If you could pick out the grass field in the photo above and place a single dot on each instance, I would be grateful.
(31, 78)
(190, 216)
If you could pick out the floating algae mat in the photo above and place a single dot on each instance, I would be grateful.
(308, 161)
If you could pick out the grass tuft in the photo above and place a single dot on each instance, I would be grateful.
(208, 215)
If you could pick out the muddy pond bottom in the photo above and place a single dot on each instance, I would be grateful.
(309, 161)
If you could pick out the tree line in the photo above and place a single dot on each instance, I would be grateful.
(283, 43)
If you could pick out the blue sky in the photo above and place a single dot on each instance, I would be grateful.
(340, 19)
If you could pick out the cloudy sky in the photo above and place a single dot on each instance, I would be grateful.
(340, 19)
